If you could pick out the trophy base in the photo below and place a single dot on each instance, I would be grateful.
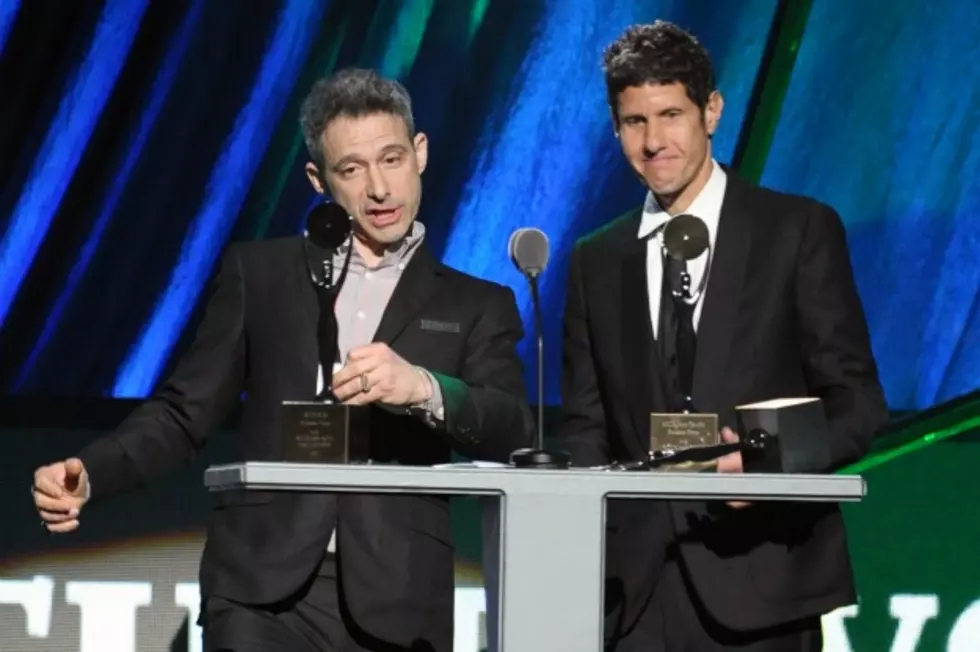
(324, 433)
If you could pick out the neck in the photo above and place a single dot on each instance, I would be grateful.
(372, 252)
(680, 201)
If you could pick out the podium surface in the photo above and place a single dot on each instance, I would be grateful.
(552, 525)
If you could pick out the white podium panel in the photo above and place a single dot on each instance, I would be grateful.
(552, 525)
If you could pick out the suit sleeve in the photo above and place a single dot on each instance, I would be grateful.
(835, 345)
(172, 425)
(583, 423)
(486, 410)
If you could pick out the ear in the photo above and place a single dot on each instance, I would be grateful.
(615, 121)
(421, 144)
(313, 174)
(712, 112)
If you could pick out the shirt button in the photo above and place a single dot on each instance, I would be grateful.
(401, 266)
(368, 275)
(360, 314)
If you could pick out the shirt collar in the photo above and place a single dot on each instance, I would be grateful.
(654, 216)
(396, 254)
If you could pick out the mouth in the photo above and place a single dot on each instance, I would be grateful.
(382, 217)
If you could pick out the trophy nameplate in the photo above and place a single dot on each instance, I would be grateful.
(324, 433)
(674, 432)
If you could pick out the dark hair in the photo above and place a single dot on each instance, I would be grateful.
(351, 93)
(657, 53)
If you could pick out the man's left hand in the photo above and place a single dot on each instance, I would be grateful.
(375, 373)
(731, 463)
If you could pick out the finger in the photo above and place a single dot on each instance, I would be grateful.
(376, 388)
(375, 349)
(346, 373)
(352, 387)
(728, 435)
(355, 385)
(738, 504)
(58, 517)
(729, 463)
(42, 501)
(74, 467)
(365, 398)
(352, 370)
(45, 484)
(68, 526)
(344, 391)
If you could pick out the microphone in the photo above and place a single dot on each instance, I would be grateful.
(528, 248)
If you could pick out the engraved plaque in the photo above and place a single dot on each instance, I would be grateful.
(674, 432)
(324, 433)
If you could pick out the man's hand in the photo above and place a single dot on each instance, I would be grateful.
(60, 492)
(731, 463)
(375, 373)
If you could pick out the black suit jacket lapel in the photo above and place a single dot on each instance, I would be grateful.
(416, 285)
(640, 361)
(301, 385)
(307, 292)
(726, 277)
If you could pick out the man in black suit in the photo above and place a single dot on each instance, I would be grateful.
(432, 350)
(780, 317)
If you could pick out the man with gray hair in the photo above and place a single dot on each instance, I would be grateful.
(430, 349)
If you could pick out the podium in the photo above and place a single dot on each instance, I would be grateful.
(552, 525)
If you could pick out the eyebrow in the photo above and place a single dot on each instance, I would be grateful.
(394, 147)
(355, 158)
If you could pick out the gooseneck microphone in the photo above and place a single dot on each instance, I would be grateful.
(528, 248)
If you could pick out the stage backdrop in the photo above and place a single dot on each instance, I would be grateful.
(138, 137)
(126, 581)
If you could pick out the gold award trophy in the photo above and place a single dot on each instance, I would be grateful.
(677, 437)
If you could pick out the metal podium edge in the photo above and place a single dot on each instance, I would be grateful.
(282, 476)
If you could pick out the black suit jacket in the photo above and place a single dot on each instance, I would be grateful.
(781, 318)
(259, 336)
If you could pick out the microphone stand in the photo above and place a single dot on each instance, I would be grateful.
(539, 329)
(538, 457)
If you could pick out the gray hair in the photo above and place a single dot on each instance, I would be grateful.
(351, 93)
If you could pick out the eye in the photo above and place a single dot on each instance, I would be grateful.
(392, 159)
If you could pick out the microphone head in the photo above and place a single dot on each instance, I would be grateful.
(528, 248)
(685, 237)
(328, 225)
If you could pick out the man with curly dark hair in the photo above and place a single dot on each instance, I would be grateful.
(779, 317)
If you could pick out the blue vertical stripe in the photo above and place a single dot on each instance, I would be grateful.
(299, 21)
(540, 165)
(8, 12)
(64, 143)
(158, 95)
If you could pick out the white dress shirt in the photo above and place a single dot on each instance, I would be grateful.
(707, 206)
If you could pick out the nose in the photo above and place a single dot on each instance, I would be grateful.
(653, 140)
(377, 185)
